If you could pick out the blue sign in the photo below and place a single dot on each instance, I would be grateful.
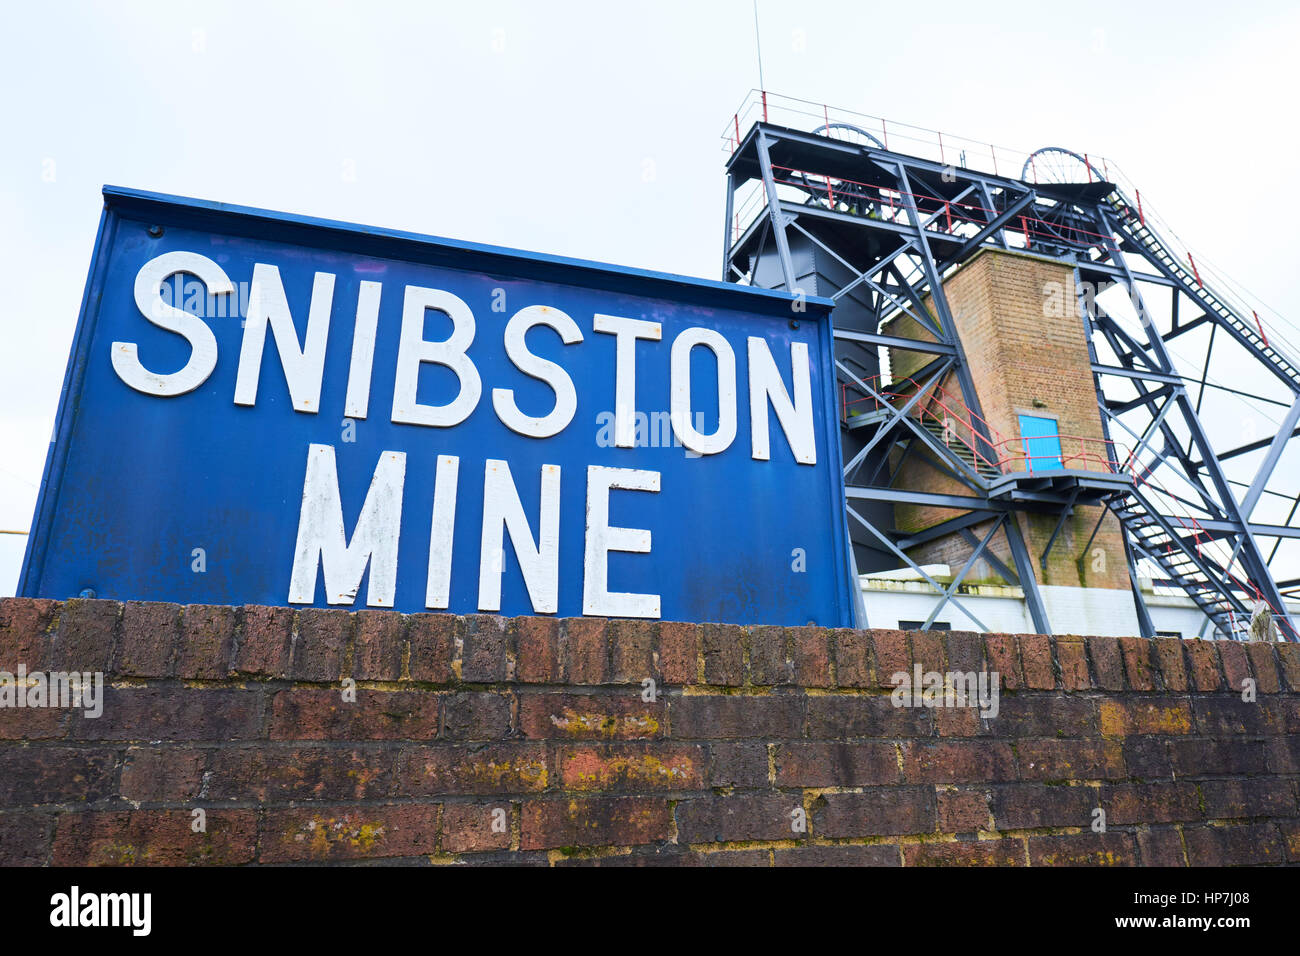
(269, 409)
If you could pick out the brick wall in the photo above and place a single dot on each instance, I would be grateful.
(240, 712)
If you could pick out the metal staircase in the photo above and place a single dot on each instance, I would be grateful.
(959, 449)
(1134, 228)
(1161, 541)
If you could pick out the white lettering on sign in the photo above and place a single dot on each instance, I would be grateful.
(357, 403)
(681, 391)
(566, 396)
(303, 365)
(437, 591)
(597, 599)
(540, 561)
(323, 548)
(322, 541)
(626, 332)
(413, 351)
(148, 299)
(796, 417)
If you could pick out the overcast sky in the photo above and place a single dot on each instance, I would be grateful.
(585, 129)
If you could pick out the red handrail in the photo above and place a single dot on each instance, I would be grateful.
(925, 203)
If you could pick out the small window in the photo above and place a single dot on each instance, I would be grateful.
(918, 626)
(1041, 438)
(1169, 634)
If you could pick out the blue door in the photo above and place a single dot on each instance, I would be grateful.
(1042, 442)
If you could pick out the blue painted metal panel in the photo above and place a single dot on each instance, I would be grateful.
(1042, 441)
(134, 483)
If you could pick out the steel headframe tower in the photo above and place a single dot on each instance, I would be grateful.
(830, 210)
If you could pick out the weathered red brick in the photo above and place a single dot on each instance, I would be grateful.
(727, 819)
(537, 641)
(1159, 802)
(1160, 847)
(1032, 805)
(724, 716)
(366, 831)
(1041, 715)
(1059, 760)
(149, 633)
(154, 713)
(1146, 758)
(25, 837)
(1138, 667)
(321, 713)
(738, 763)
(617, 716)
(1288, 656)
(1173, 666)
(835, 764)
(927, 650)
(679, 652)
(322, 642)
(1203, 756)
(853, 659)
(1006, 852)
(84, 636)
(847, 716)
(155, 838)
(1204, 661)
(265, 642)
(1263, 665)
(961, 810)
(30, 776)
(1074, 664)
(475, 827)
(485, 646)
(1144, 715)
(1290, 838)
(1107, 662)
(876, 854)
(1236, 668)
(770, 664)
(206, 642)
(433, 640)
(957, 761)
(593, 821)
(1083, 849)
(892, 654)
(1036, 655)
(723, 648)
(811, 648)
(632, 766)
(1242, 845)
(964, 651)
(586, 650)
(24, 631)
(880, 811)
(162, 774)
(499, 768)
(1228, 715)
(475, 716)
(1004, 659)
(632, 651)
(380, 645)
(1234, 799)
(280, 774)
(26, 723)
